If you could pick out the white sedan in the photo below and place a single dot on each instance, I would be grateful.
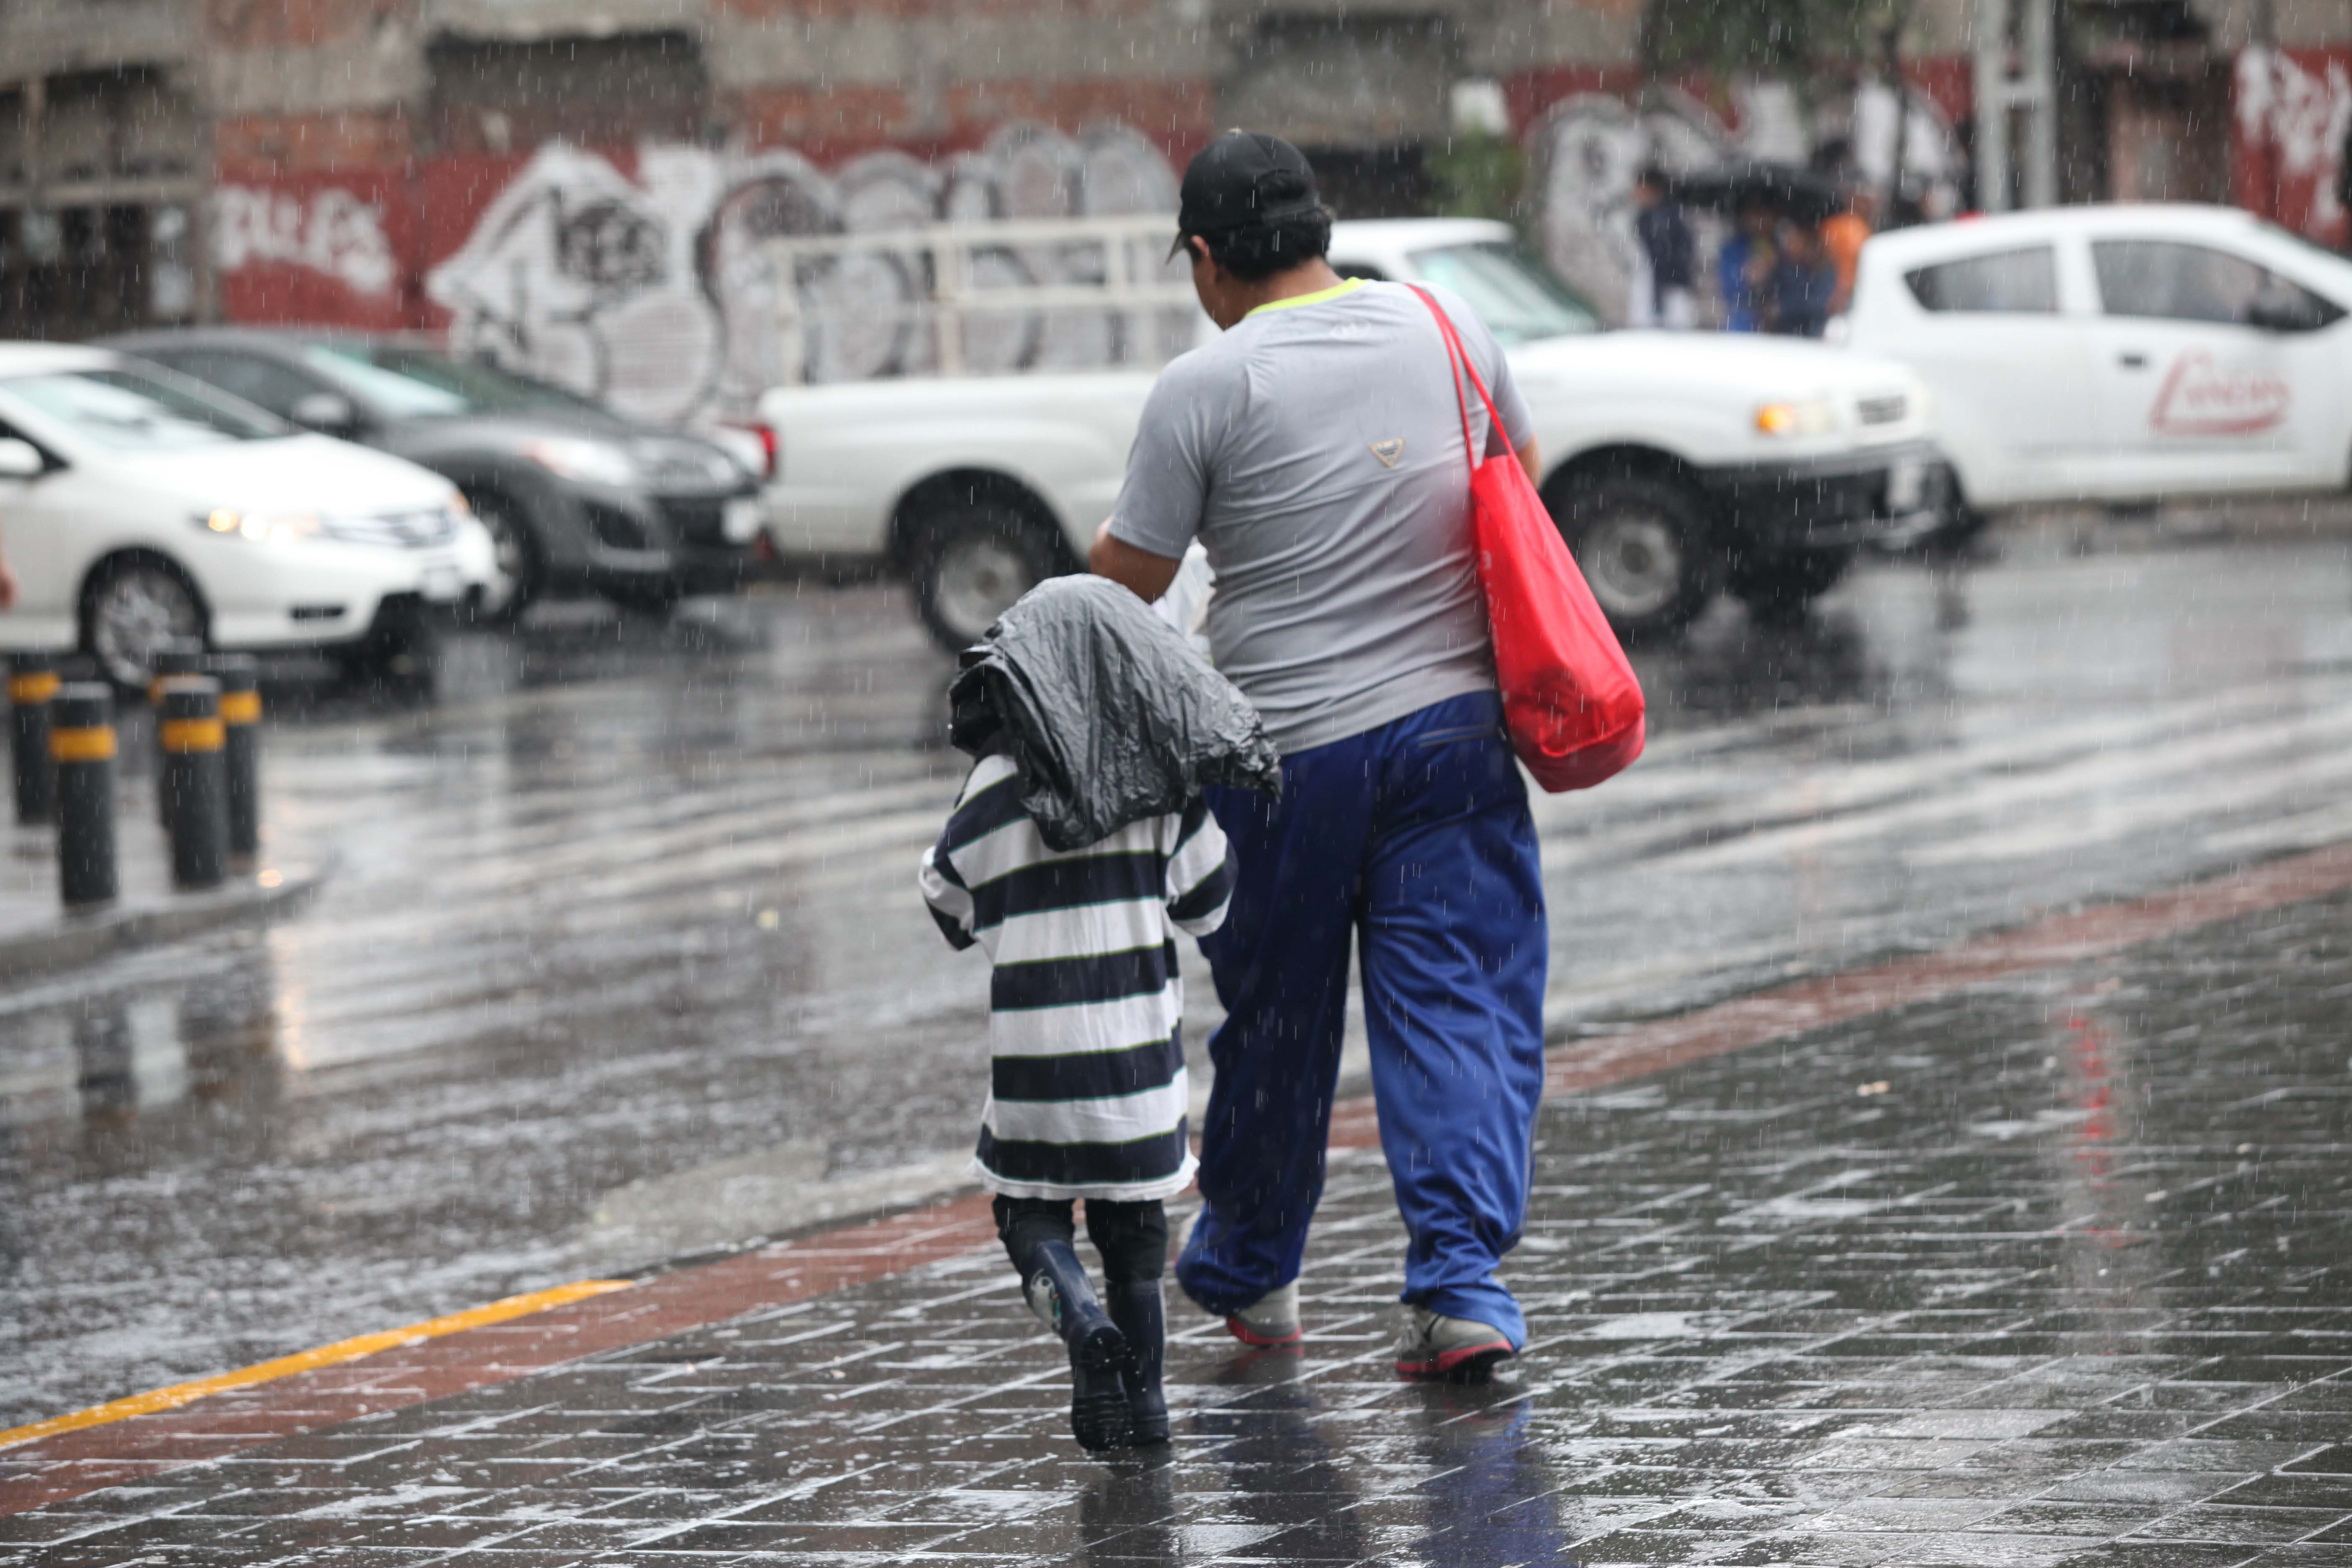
(137, 505)
(2121, 355)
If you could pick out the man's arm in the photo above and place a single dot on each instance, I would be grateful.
(1140, 572)
(1531, 460)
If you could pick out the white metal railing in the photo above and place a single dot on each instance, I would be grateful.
(953, 275)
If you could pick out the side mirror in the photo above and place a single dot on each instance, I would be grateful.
(21, 460)
(329, 413)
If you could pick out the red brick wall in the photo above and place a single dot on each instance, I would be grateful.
(363, 140)
(256, 23)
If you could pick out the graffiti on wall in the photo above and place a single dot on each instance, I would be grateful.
(653, 292)
(644, 278)
(330, 231)
(2294, 115)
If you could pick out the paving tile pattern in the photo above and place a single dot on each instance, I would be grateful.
(2055, 1271)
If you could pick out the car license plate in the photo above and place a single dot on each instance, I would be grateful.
(443, 582)
(743, 519)
(1905, 483)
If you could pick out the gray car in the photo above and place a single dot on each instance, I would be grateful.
(574, 496)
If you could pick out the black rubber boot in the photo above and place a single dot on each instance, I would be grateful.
(1136, 1308)
(1060, 1293)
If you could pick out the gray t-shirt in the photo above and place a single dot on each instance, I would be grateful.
(1316, 451)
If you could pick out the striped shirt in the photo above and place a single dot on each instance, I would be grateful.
(1088, 1097)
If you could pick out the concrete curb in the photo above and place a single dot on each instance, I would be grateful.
(72, 940)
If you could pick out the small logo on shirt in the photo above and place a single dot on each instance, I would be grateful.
(1389, 451)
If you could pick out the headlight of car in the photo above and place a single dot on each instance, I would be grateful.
(263, 528)
(591, 462)
(1807, 417)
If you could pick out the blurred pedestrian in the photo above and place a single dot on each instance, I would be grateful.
(1665, 286)
(1801, 284)
(1843, 234)
(1743, 268)
(1088, 1096)
(1311, 449)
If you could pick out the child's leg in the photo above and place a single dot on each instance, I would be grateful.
(1038, 1236)
(1131, 1237)
(1133, 1241)
(1025, 1224)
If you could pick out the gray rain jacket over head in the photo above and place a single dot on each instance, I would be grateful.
(1109, 715)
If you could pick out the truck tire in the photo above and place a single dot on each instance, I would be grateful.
(1778, 584)
(1641, 543)
(971, 560)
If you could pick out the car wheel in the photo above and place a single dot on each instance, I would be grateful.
(970, 563)
(1777, 585)
(132, 607)
(1641, 544)
(516, 576)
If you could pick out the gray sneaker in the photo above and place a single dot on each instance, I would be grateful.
(1455, 1349)
(1271, 1319)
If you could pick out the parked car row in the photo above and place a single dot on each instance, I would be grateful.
(267, 488)
(262, 489)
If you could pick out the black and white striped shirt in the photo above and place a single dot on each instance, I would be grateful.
(1086, 1096)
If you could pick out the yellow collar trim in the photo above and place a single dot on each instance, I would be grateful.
(1317, 297)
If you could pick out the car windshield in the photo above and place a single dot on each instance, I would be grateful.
(1516, 295)
(131, 411)
(402, 382)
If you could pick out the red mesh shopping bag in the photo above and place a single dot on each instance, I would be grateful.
(1571, 701)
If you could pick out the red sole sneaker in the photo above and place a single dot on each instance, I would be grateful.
(1463, 1364)
(1241, 1332)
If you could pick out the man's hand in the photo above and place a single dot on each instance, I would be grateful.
(1140, 572)
(7, 587)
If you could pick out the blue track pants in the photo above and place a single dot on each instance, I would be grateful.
(1412, 841)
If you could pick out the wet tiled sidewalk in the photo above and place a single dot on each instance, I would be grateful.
(2055, 1270)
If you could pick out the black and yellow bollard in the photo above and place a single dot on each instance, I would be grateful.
(32, 681)
(173, 655)
(193, 781)
(240, 710)
(81, 744)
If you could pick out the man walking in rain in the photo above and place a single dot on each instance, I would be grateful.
(1316, 451)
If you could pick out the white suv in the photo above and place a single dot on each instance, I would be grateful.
(2119, 353)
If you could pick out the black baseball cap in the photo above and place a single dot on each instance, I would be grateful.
(1243, 177)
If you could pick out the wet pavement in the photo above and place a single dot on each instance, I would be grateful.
(621, 933)
(2052, 1272)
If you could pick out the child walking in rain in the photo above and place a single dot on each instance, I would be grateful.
(1079, 847)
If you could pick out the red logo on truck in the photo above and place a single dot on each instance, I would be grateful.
(2200, 398)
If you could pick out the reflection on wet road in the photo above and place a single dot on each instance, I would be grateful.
(629, 904)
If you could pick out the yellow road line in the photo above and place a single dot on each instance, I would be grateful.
(179, 1393)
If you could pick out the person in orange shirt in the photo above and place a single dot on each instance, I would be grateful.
(1842, 237)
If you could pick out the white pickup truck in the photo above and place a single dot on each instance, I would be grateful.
(1675, 464)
